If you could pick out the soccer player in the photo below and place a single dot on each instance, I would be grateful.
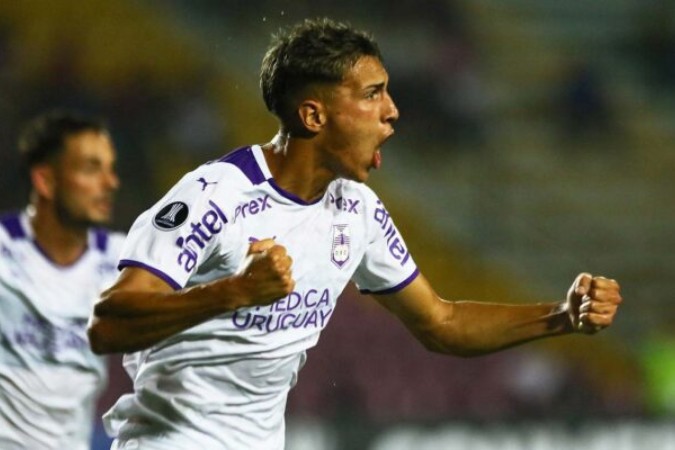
(230, 278)
(55, 259)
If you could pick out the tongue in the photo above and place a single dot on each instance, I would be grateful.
(377, 159)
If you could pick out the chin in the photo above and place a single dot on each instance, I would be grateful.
(101, 220)
(359, 177)
(96, 220)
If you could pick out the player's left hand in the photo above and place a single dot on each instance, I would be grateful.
(592, 302)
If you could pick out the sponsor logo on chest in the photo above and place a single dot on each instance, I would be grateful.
(344, 204)
(252, 208)
(308, 309)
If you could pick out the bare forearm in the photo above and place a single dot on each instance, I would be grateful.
(142, 309)
(467, 328)
(128, 321)
(473, 328)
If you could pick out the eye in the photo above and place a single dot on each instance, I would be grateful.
(91, 167)
(373, 93)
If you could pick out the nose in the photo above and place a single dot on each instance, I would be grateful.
(112, 181)
(392, 113)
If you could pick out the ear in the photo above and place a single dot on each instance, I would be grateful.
(43, 179)
(312, 115)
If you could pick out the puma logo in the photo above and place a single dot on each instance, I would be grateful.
(205, 183)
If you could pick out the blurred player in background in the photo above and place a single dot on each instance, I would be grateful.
(230, 277)
(54, 262)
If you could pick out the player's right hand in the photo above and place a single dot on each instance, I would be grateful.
(265, 273)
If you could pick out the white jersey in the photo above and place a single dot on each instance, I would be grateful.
(49, 378)
(223, 384)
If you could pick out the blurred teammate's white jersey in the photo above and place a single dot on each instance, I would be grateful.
(223, 384)
(49, 378)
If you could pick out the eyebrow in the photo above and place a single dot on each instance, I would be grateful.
(376, 86)
(94, 161)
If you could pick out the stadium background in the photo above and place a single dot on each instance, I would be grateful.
(535, 141)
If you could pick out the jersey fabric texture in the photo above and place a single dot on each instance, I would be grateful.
(49, 378)
(223, 383)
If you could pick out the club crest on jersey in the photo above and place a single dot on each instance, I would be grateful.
(171, 216)
(340, 250)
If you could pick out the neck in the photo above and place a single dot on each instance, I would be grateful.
(62, 244)
(296, 167)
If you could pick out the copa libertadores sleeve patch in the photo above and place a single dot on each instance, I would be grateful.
(171, 216)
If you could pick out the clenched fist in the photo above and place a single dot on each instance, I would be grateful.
(592, 302)
(265, 274)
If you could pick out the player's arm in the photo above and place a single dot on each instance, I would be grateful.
(468, 328)
(141, 309)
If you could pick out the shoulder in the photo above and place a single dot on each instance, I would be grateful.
(11, 226)
(236, 170)
(353, 196)
(117, 240)
(107, 242)
(244, 162)
(212, 189)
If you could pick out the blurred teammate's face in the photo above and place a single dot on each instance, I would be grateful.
(360, 115)
(85, 180)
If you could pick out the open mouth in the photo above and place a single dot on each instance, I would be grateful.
(377, 159)
(104, 205)
(377, 156)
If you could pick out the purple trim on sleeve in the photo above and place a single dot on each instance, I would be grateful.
(396, 288)
(243, 158)
(131, 263)
(101, 239)
(12, 224)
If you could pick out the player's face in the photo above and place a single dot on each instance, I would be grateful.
(360, 115)
(85, 180)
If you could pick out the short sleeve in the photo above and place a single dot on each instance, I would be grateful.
(387, 265)
(172, 238)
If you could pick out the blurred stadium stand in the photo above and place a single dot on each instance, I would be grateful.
(535, 141)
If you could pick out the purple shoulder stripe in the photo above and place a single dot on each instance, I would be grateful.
(12, 224)
(131, 263)
(243, 158)
(396, 288)
(101, 239)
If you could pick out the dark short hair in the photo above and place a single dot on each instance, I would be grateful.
(313, 51)
(43, 137)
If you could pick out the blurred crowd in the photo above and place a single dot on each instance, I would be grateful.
(163, 121)
(168, 117)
